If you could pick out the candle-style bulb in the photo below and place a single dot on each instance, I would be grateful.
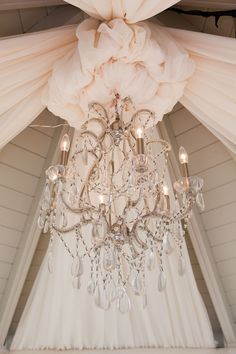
(139, 133)
(101, 199)
(183, 155)
(165, 190)
(65, 143)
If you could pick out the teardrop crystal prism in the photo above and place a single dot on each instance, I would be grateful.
(181, 265)
(41, 220)
(150, 261)
(85, 156)
(137, 285)
(167, 242)
(123, 303)
(109, 260)
(47, 193)
(110, 292)
(200, 201)
(161, 281)
(50, 262)
(46, 226)
(91, 287)
(99, 230)
(77, 267)
(76, 282)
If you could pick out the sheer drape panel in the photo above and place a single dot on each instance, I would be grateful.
(210, 94)
(25, 66)
(130, 10)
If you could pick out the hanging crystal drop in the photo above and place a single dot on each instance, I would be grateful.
(85, 155)
(109, 260)
(47, 193)
(110, 292)
(167, 246)
(200, 201)
(45, 204)
(123, 303)
(50, 262)
(77, 267)
(64, 220)
(41, 220)
(76, 282)
(181, 265)
(137, 284)
(46, 226)
(150, 261)
(161, 281)
(91, 287)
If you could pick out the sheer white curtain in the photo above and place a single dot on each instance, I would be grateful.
(25, 65)
(57, 316)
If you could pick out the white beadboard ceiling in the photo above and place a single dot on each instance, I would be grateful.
(21, 161)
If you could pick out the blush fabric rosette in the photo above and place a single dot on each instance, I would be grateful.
(141, 61)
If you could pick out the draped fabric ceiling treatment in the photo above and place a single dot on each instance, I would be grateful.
(102, 56)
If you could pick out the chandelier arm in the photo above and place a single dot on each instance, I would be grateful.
(140, 112)
(92, 106)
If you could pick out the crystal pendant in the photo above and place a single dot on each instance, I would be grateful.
(76, 282)
(137, 284)
(167, 246)
(77, 267)
(161, 281)
(100, 299)
(109, 260)
(45, 204)
(99, 230)
(123, 303)
(151, 261)
(91, 287)
(47, 193)
(46, 226)
(110, 292)
(200, 201)
(181, 265)
(85, 156)
(50, 262)
(41, 220)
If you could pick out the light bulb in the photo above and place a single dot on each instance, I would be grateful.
(183, 155)
(139, 132)
(165, 190)
(101, 199)
(65, 143)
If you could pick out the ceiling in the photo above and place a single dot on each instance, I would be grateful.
(20, 4)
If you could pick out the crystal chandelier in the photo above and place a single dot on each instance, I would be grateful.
(109, 203)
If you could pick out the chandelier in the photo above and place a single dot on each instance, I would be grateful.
(109, 202)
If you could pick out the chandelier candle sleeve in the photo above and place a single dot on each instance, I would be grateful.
(64, 147)
(166, 195)
(183, 159)
(140, 141)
